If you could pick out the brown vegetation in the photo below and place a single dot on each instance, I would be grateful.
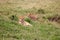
(55, 18)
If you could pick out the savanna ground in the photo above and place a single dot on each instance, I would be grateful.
(41, 29)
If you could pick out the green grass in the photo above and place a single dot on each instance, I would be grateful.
(43, 31)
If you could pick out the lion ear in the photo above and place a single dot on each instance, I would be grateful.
(21, 17)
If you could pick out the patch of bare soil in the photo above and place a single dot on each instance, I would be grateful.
(55, 18)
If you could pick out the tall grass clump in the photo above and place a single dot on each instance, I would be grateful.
(14, 17)
(41, 11)
(29, 20)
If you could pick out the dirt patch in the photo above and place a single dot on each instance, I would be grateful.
(55, 18)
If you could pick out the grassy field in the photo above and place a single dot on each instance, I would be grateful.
(41, 29)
